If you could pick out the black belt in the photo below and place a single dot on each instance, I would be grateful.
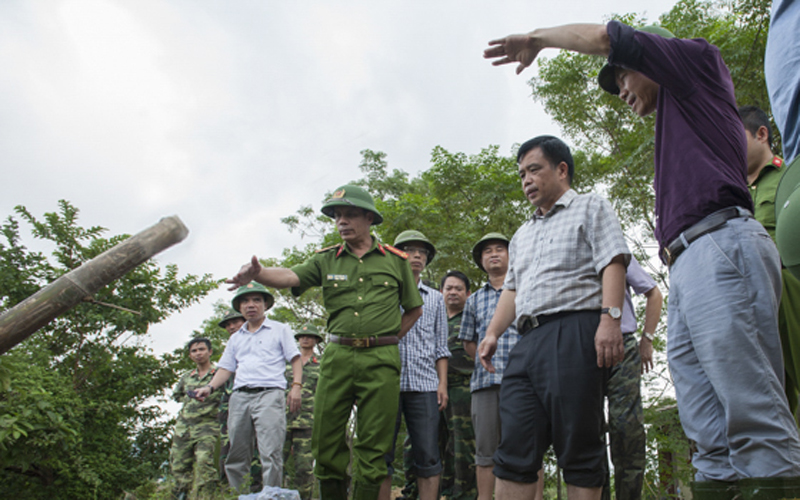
(527, 323)
(253, 390)
(710, 224)
(364, 341)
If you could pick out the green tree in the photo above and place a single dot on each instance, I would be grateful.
(76, 412)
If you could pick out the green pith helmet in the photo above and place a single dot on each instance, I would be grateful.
(309, 329)
(252, 287)
(231, 314)
(351, 196)
(413, 235)
(477, 250)
(787, 216)
(607, 77)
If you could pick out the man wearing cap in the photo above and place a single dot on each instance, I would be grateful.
(490, 254)
(423, 377)
(564, 290)
(257, 353)
(191, 457)
(764, 173)
(231, 322)
(364, 284)
(300, 423)
(723, 345)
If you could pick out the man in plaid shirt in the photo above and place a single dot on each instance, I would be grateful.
(491, 256)
(423, 376)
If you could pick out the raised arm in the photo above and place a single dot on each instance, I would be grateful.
(584, 38)
(274, 277)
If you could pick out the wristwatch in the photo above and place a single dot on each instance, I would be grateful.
(614, 312)
(649, 336)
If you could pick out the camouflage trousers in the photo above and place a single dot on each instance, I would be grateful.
(456, 446)
(626, 424)
(297, 457)
(192, 459)
(255, 467)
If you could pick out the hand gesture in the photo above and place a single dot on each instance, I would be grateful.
(246, 274)
(513, 48)
(486, 351)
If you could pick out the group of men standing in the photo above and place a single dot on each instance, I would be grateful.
(551, 332)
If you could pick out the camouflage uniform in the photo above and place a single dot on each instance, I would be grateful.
(255, 467)
(298, 433)
(456, 436)
(195, 438)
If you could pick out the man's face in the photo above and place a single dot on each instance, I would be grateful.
(640, 92)
(542, 182)
(352, 222)
(232, 325)
(307, 341)
(252, 306)
(200, 353)
(417, 256)
(455, 293)
(495, 257)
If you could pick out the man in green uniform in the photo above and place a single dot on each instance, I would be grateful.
(764, 172)
(196, 429)
(300, 423)
(231, 322)
(458, 455)
(364, 284)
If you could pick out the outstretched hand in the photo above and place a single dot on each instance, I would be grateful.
(513, 48)
(246, 274)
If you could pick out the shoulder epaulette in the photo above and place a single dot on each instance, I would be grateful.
(396, 251)
(327, 248)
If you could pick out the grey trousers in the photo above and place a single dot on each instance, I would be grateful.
(262, 413)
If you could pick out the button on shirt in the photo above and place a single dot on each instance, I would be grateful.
(424, 344)
(259, 358)
(478, 313)
(555, 260)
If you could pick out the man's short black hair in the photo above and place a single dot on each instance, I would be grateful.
(553, 148)
(455, 274)
(754, 118)
(198, 340)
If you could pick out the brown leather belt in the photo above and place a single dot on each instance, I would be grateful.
(364, 341)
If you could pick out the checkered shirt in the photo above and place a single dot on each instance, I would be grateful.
(555, 260)
(424, 344)
(478, 313)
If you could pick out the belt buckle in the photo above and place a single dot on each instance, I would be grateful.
(360, 342)
(668, 256)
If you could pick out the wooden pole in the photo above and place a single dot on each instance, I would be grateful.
(19, 322)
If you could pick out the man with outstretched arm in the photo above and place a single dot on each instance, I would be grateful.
(724, 270)
(364, 284)
(564, 290)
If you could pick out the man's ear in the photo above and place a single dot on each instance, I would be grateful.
(762, 134)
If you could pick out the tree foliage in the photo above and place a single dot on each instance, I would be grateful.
(76, 412)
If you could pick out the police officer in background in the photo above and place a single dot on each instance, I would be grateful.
(364, 283)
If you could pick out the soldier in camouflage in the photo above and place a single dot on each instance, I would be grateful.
(458, 478)
(196, 429)
(231, 322)
(300, 423)
(625, 418)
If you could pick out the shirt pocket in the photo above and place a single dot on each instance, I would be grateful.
(336, 288)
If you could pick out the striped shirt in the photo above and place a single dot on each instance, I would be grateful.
(424, 344)
(478, 313)
(555, 260)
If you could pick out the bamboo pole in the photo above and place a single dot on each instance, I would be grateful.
(19, 322)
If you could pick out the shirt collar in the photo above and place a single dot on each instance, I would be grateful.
(564, 201)
(376, 246)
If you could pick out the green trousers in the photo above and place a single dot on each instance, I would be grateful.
(370, 379)
(789, 328)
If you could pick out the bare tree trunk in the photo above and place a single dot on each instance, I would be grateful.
(19, 322)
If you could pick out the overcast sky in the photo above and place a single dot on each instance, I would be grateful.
(233, 114)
